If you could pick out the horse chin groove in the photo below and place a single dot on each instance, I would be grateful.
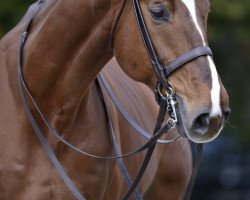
(204, 138)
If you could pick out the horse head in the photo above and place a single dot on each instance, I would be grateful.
(176, 27)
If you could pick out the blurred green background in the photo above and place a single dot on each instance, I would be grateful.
(225, 171)
(229, 36)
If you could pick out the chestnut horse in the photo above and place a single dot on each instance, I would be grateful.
(68, 45)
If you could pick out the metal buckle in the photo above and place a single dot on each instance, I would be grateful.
(172, 107)
(24, 36)
(172, 103)
(172, 123)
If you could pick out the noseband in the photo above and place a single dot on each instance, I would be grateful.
(164, 93)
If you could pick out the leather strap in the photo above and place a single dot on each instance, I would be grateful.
(121, 165)
(47, 147)
(195, 169)
(160, 119)
(158, 68)
(187, 57)
(161, 70)
(116, 22)
(152, 139)
(126, 115)
(31, 118)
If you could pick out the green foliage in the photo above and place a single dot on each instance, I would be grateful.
(229, 31)
(10, 13)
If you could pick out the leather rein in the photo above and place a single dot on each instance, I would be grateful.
(166, 101)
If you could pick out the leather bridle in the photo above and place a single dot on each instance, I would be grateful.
(166, 101)
(162, 71)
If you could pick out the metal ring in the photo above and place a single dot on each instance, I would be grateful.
(172, 123)
(159, 88)
(170, 92)
(171, 89)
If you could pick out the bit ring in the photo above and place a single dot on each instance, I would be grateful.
(165, 93)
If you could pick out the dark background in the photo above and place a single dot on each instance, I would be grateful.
(225, 169)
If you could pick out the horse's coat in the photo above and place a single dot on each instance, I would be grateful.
(68, 45)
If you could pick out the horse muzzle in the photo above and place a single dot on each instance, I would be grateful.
(199, 126)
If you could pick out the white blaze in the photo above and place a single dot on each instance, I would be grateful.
(215, 92)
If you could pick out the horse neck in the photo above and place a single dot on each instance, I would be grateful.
(68, 45)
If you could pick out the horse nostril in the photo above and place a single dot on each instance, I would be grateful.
(201, 124)
(226, 113)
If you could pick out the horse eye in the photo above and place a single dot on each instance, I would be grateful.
(159, 13)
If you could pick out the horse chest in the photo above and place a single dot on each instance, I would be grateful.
(26, 170)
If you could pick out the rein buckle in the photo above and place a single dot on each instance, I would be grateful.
(160, 92)
(172, 104)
